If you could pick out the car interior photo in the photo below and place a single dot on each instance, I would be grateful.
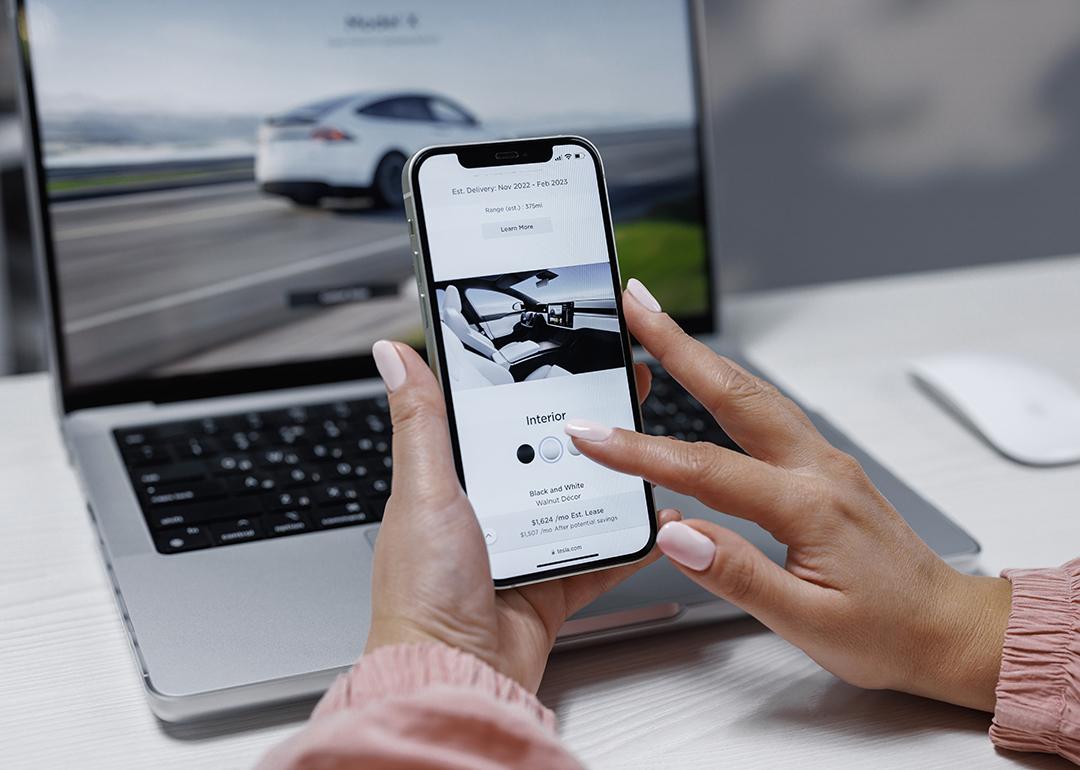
(496, 332)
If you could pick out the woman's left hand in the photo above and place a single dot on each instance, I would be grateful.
(432, 580)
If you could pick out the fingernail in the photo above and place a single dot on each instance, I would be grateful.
(388, 362)
(641, 294)
(668, 515)
(686, 545)
(586, 429)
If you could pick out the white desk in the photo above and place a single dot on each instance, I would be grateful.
(727, 696)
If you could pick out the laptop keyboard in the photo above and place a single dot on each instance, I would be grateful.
(255, 475)
(671, 411)
(243, 477)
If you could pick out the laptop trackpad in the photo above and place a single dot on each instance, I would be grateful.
(256, 612)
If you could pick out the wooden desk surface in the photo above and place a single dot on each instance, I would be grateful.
(732, 695)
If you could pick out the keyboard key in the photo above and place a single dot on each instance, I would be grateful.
(299, 498)
(133, 438)
(333, 429)
(344, 470)
(186, 492)
(336, 493)
(236, 531)
(242, 441)
(344, 515)
(340, 409)
(286, 523)
(251, 484)
(251, 421)
(208, 426)
(328, 452)
(147, 454)
(176, 515)
(272, 457)
(292, 435)
(184, 539)
(296, 477)
(197, 448)
(376, 487)
(234, 463)
(164, 474)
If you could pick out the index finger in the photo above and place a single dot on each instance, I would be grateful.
(421, 444)
(724, 480)
(761, 420)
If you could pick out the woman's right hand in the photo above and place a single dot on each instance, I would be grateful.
(861, 593)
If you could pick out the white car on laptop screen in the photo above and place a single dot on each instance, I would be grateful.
(355, 145)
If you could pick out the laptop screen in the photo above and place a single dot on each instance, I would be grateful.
(223, 179)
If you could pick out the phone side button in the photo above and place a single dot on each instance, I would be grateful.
(424, 311)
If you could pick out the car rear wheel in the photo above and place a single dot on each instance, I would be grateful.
(388, 180)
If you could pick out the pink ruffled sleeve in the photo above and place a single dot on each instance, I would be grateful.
(1038, 691)
(424, 706)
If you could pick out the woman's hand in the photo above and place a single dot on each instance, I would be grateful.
(861, 593)
(432, 580)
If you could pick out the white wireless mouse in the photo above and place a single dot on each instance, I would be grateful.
(1026, 412)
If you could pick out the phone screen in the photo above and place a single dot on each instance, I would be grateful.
(527, 319)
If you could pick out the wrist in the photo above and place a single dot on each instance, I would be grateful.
(389, 634)
(395, 631)
(957, 653)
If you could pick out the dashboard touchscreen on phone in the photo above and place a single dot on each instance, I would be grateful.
(525, 314)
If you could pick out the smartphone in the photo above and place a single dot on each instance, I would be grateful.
(521, 302)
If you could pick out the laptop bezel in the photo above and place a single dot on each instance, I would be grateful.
(71, 397)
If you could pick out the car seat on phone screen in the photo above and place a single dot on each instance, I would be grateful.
(468, 370)
(477, 341)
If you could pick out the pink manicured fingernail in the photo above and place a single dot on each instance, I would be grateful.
(641, 294)
(586, 429)
(388, 362)
(686, 545)
(668, 515)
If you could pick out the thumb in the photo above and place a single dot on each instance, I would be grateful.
(733, 569)
(423, 461)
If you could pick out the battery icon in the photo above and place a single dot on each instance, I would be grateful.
(577, 154)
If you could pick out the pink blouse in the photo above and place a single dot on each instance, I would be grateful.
(427, 707)
(1038, 690)
(433, 707)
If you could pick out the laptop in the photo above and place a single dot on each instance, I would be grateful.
(216, 198)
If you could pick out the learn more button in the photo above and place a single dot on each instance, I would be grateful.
(516, 227)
